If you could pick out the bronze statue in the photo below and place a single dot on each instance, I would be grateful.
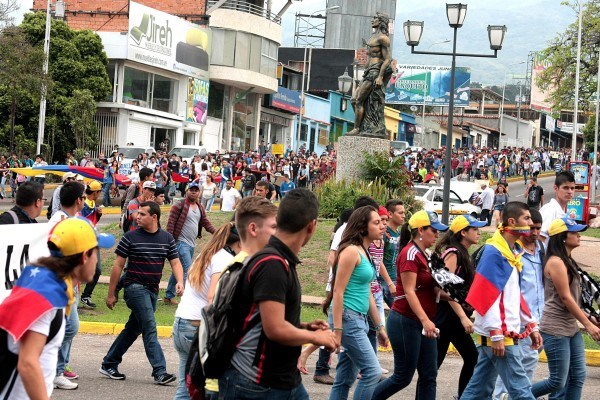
(368, 100)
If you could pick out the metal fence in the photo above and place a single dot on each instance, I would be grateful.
(243, 6)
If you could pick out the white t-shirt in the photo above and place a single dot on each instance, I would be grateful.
(228, 199)
(536, 166)
(487, 198)
(48, 358)
(193, 301)
(208, 190)
(57, 217)
(335, 243)
(550, 211)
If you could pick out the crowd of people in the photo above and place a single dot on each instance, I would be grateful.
(523, 290)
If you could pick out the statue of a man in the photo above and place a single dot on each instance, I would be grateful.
(368, 99)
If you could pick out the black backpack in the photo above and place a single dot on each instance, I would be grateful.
(136, 193)
(9, 360)
(220, 326)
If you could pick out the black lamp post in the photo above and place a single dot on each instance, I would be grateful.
(412, 32)
(344, 86)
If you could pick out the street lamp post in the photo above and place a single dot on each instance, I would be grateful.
(576, 108)
(413, 30)
(344, 85)
(594, 172)
(304, 73)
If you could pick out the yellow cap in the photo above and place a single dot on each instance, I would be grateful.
(426, 218)
(561, 225)
(95, 186)
(76, 235)
(463, 221)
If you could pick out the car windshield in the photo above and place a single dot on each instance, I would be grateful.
(131, 152)
(420, 191)
(184, 152)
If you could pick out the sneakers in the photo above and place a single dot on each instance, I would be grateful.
(170, 302)
(60, 382)
(324, 379)
(164, 379)
(87, 302)
(69, 373)
(112, 373)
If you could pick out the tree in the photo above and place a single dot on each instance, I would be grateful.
(21, 77)
(7, 7)
(77, 62)
(81, 109)
(558, 79)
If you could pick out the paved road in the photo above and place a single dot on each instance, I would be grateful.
(88, 351)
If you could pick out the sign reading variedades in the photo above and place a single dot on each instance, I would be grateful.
(166, 41)
(418, 84)
(20, 245)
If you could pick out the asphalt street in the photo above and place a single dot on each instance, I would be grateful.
(88, 351)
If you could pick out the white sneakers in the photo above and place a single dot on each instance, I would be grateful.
(60, 382)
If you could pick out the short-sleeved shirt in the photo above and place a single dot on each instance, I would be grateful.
(412, 259)
(391, 241)
(550, 211)
(146, 253)
(259, 359)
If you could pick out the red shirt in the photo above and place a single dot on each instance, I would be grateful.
(412, 259)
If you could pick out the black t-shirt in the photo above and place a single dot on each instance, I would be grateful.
(535, 195)
(174, 166)
(259, 359)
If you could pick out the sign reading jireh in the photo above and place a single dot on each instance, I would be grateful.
(168, 42)
(20, 245)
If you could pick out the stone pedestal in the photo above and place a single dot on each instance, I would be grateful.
(350, 154)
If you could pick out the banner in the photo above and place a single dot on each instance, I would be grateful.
(197, 101)
(20, 245)
(415, 84)
(165, 41)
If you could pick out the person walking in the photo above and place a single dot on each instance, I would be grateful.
(186, 220)
(452, 319)
(534, 195)
(145, 251)
(410, 322)
(563, 340)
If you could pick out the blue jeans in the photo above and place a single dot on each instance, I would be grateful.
(186, 252)
(387, 295)
(71, 329)
(142, 303)
(2, 183)
(183, 335)
(380, 310)
(489, 367)
(106, 194)
(412, 352)
(207, 203)
(235, 386)
(529, 359)
(358, 355)
(566, 363)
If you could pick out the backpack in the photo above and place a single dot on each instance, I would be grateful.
(9, 360)
(220, 326)
(136, 193)
(125, 221)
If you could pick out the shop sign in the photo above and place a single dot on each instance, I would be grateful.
(274, 119)
(168, 42)
(575, 208)
(197, 101)
(285, 99)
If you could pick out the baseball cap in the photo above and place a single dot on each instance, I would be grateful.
(79, 177)
(149, 185)
(68, 175)
(463, 221)
(193, 185)
(382, 211)
(95, 186)
(561, 225)
(75, 235)
(424, 218)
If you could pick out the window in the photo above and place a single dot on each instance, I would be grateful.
(242, 50)
(188, 139)
(110, 70)
(163, 93)
(303, 132)
(215, 100)
(223, 47)
(255, 53)
(268, 62)
(454, 199)
(136, 85)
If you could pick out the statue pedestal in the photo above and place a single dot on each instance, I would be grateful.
(350, 154)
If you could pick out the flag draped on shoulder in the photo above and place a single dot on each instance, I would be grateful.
(37, 291)
(493, 271)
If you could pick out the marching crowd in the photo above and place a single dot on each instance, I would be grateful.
(521, 290)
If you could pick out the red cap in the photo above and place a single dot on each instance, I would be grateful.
(382, 211)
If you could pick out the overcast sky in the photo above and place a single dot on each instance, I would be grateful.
(531, 24)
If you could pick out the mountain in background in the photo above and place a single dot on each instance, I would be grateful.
(531, 25)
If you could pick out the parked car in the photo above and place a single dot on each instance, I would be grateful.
(187, 152)
(432, 197)
(130, 153)
(398, 147)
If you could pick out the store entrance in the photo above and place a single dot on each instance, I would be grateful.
(162, 138)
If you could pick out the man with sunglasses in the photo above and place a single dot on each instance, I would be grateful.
(532, 287)
(55, 202)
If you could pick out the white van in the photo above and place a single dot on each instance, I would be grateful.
(398, 147)
(187, 152)
(432, 197)
(130, 153)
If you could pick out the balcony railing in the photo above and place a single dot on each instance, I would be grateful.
(243, 6)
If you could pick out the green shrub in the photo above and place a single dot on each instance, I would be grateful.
(391, 172)
(334, 196)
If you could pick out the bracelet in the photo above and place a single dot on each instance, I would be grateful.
(338, 329)
(378, 327)
(390, 284)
